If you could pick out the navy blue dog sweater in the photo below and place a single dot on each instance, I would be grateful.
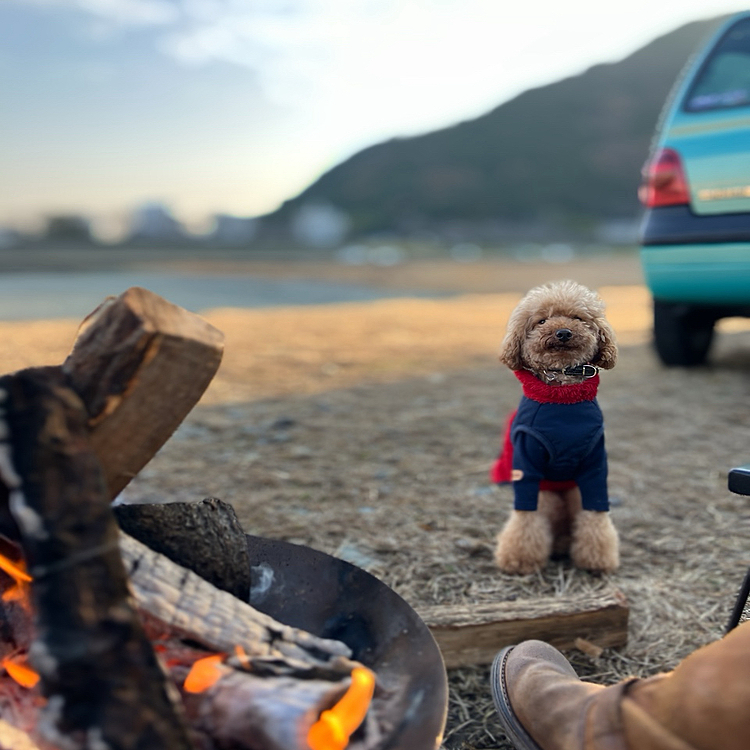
(556, 440)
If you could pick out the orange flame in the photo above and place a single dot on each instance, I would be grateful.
(242, 657)
(21, 579)
(20, 671)
(335, 726)
(204, 673)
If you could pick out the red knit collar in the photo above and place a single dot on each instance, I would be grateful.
(538, 390)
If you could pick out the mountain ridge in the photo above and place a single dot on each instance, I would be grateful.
(566, 153)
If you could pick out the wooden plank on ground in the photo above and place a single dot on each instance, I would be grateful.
(472, 634)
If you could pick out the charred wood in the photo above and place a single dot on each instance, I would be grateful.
(71, 438)
(205, 537)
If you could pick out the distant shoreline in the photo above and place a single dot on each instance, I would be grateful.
(495, 271)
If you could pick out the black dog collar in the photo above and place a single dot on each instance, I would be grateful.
(577, 371)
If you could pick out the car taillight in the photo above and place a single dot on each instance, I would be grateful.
(664, 182)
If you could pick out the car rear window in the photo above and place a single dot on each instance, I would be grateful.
(723, 80)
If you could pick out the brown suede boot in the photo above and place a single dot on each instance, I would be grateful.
(543, 705)
(704, 704)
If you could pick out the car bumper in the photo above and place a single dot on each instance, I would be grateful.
(678, 225)
(707, 274)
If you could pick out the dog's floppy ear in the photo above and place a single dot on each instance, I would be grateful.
(510, 349)
(606, 357)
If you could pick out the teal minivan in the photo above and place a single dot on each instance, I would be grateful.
(695, 234)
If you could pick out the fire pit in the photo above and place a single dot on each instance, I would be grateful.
(141, 637)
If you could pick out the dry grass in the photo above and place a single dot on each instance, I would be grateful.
(367, 431)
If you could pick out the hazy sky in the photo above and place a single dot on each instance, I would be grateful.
(236, 105)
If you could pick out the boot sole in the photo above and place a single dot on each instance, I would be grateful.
(509, 721)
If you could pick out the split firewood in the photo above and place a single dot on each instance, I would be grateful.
(185, 603)
(205, 537)
(89, 647)
(140, 364)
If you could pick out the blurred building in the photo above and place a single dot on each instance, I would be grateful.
(320, 225)
(9, 238)
(67, 228)
(154, 222)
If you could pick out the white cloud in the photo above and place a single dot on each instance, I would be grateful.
(411, 56)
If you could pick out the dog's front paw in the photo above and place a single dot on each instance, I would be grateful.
(596, 546)
(524, 544)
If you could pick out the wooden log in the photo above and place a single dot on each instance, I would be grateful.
(263, 713)
(89, 647)
(473, 634)
(205, 537)
(140, 364)
(185, 603)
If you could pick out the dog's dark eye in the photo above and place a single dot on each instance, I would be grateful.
(543, 320)
(575, 317)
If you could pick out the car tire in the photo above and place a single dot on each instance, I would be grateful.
(682, 334)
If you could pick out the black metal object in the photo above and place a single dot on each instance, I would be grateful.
(739, 483)
(331, 598)
(739, 480)
(739, 605)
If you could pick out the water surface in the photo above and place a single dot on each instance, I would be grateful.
(25, 296)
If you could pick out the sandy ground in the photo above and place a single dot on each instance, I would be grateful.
(367, 431)
(309, 349)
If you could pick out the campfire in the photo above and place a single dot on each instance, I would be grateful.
(166, 626)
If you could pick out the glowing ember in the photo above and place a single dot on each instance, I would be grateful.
(204, 673)
(335, 726)
(20, 671)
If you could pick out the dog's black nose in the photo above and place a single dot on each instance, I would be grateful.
(563, 334)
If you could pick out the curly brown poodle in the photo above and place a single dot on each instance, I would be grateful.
(556, 342)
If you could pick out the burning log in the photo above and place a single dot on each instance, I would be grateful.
(184, 603)
(176, 536)
(280, 713)
(12, 738)
(89, 646)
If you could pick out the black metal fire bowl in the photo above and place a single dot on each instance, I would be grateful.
(331, 598)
